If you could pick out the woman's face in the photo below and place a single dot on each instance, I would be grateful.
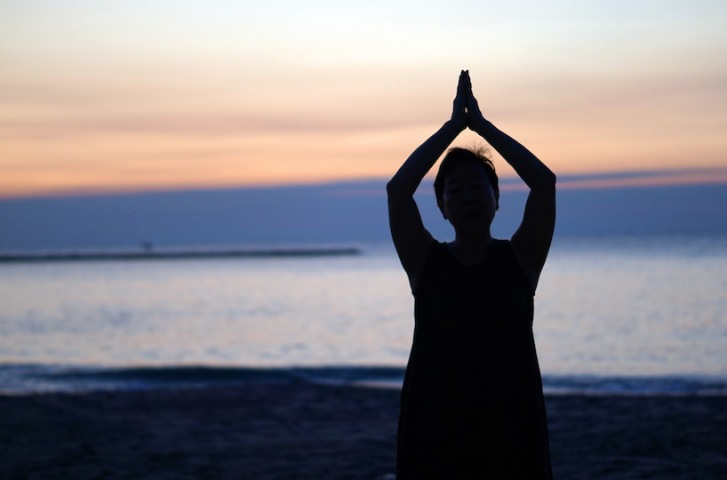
(468, 200)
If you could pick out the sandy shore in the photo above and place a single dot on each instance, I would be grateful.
(319, 432)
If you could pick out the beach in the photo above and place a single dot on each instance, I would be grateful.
(311, 431)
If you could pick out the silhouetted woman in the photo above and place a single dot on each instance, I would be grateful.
(472, 400)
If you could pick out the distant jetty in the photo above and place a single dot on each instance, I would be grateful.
(176, 254)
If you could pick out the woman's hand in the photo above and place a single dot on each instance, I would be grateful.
(459, 107)
(475, 119)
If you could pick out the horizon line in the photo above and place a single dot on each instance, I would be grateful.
(569, 181)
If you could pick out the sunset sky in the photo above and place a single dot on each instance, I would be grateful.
(105, 96)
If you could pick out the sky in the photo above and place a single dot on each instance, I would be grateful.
(124, 96)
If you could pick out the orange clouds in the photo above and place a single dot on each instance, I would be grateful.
(146, 98)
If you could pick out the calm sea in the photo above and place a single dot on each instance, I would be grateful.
(630, 315)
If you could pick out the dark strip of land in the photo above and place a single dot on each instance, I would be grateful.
(175, 254)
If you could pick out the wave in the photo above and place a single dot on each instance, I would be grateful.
(22, 379)
(38, 379)
(678, 385)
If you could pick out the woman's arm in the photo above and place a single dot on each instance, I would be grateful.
(411, 239)
(531, 241)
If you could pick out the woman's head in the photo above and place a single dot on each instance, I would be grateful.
(458, 157)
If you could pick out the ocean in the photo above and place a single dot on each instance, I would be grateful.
(632, 315)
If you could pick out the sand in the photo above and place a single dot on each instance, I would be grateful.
(325, 432)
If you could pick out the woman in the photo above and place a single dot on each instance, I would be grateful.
(472, 401)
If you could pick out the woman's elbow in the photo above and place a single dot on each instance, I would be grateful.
(551, 179)
(395, 188)
(547, 180)
(390, 186)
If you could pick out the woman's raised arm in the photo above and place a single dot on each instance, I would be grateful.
(411, 239)
(531, 241)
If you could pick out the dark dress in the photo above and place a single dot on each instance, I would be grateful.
(472, 400)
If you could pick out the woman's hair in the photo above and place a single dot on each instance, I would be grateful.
(458, 156)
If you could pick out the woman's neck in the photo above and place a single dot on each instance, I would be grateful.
(469, 249)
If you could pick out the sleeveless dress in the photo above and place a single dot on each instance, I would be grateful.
(472, 400)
